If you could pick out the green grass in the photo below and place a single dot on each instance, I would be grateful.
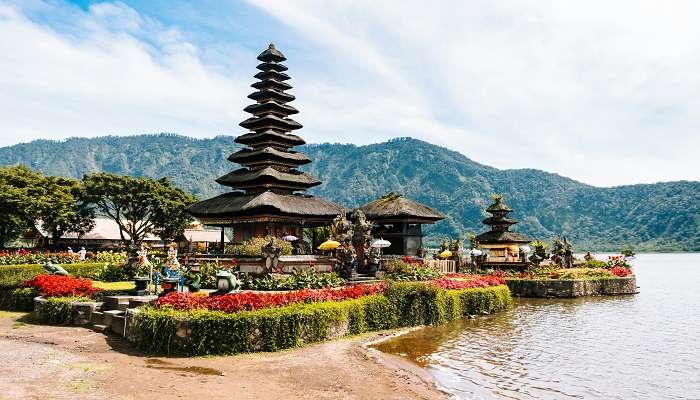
(126, 285)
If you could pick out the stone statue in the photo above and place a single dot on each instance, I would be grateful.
(271, 254)
(172, 266)
(568, 254)
(362, 238)
(343, 232)
(143, 266)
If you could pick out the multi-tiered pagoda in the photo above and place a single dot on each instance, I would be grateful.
(503, 245)
(267, 191)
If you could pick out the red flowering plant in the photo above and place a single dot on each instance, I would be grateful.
(620, 271)
(61, 286)
(466, 281)
(255, 300)
(618, 261)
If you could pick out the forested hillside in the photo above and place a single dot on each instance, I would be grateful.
(662, 216)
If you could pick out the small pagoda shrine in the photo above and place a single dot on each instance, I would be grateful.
(399, 220)
(267, 196)
(502, 244)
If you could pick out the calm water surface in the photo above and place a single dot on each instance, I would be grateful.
(643, 346)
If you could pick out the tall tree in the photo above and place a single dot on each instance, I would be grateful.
(61, 209)
(139, 206)
(19, 189)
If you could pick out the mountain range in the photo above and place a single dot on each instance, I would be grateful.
(650, 217)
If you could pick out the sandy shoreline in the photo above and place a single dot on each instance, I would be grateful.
(61, 362)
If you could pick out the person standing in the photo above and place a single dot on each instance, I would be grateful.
(82, 253)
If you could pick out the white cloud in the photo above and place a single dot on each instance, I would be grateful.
(104, 78)
(603, 92)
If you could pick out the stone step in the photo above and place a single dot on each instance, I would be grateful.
(97, 318)
(118, 323)
(108, 316)
(142, 301)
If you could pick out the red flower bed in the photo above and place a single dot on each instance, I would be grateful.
(59, 285)
(466, 281)
(621, 271)
(255, 300)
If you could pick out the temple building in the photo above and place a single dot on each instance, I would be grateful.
(267, 191)
(502, 244)
(399, 220)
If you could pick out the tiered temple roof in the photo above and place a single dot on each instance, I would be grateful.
(500, 225)
(266, 187)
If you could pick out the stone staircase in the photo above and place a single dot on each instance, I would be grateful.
(111, 314)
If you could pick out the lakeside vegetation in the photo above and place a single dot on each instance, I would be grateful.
(655, 217)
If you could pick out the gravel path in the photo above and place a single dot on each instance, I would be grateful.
(55, 362)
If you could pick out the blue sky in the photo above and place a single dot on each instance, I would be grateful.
(603, 92)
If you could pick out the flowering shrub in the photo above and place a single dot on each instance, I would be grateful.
(60, 286)
(618, 261)
(37, 257)
(620, 271)
(255, 247)
(253, 301)
(401, 270)
(465, 281)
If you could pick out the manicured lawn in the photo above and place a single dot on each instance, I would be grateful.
(127, 285)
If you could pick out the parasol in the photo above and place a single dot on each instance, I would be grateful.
(526, 249)
(446, 254)
(381, 243)
(476, 252)
(514, 248)
(329, 245)
(290, 238)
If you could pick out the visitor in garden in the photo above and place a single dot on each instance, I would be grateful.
(70, 251)
(82, 253)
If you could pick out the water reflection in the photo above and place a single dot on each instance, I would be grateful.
(638, 346)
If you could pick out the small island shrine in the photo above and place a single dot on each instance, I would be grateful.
(399, 220)
(502, 244)
(267, 196)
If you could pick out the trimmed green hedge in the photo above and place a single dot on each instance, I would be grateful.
(57, 310)
(12, 276)
(202, 332)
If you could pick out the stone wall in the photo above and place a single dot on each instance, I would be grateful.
(572, 288)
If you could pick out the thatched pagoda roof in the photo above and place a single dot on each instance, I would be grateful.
(268, 155)
(502, 237)
(266, 188)
(244, 178)
(397, 207)
(239, 204)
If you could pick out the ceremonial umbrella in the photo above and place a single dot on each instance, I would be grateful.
(329, 245)
(290, 238)
(381, 243)
(476, 252)
(514, 248)
(446, 254)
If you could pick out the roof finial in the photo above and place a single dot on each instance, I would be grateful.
(271, 46)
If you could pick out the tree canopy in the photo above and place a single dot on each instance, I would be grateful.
(139, 206)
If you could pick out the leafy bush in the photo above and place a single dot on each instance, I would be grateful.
(580, 273)
(113, 272)
(618, 261)
(12, 276)
(22, 299)
(593, 263)
(400, 270)
(301, 278)
(38, 257)
(270, 329)
(61, 286)
(57, 310)
(254, 247)
(114, 257)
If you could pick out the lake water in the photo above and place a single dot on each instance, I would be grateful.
(643, 346)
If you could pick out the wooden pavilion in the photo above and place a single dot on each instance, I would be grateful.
(502, 244)
(267, 196)
(399, 220)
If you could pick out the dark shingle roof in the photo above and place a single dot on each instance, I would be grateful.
(396, 206)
